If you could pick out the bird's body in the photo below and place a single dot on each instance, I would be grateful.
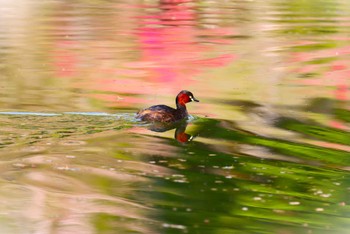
(163, 113)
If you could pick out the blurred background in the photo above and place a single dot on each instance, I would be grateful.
(266, 149)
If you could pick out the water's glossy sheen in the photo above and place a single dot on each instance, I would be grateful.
(267, 149)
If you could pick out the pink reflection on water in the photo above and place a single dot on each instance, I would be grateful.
(65, 59)
(167, 41)
(334, 74)
(337, 73)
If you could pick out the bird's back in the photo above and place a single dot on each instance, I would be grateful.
(158, 113)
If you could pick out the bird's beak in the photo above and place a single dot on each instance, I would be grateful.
(194, 99)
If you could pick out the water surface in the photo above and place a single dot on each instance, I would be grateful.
(266, 150)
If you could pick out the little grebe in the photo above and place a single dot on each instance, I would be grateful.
(166, 114)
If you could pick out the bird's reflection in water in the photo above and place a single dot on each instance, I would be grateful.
(180, 134)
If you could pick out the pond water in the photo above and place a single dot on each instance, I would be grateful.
(266, 150)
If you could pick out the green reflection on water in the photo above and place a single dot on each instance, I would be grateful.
(149, 182)
(213, 191)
